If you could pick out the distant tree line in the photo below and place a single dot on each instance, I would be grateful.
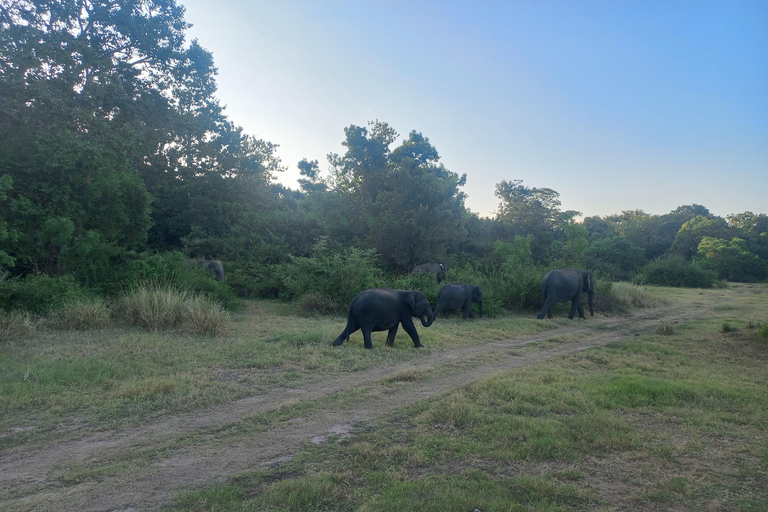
(117, 161)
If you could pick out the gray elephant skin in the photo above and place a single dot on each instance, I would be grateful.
(564, 285)
(440, 270)
(459, 296)
(384, 309)
(214, 266)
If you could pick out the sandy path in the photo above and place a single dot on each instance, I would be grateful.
(164, 460)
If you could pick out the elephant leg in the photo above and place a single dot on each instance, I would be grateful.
(467, 310)
(391, 335)
(547, 309)
(574, 306)
(367, 339)
(581, 311)
(411, 330)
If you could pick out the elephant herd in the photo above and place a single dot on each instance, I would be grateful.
(385, 309)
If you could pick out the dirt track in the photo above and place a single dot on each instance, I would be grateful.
(191, 450)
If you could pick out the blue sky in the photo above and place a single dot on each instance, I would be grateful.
(617, 105)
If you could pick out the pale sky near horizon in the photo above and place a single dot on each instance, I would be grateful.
(617, 105)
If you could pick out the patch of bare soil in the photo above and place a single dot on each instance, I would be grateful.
(192, 450)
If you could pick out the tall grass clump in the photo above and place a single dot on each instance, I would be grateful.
(622, 296)
(15, 324)
(205, 316)
(154, 307)
(81, 314)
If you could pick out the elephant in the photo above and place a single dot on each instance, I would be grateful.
(459, 296)
(214, 266)
(440, 270)
(567, 284)
(382, 309)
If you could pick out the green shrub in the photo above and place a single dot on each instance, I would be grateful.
(674, 270)
(15, 324)
(81, 314)
(38, 293)
(338, 276)
(510, 278)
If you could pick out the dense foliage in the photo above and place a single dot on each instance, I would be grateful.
(116, 160)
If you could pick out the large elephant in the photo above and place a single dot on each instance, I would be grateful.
(459, 296)
(214, 266)
(384, 309)
(440, 270)
(564, 285)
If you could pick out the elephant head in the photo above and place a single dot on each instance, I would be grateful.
(420, 308)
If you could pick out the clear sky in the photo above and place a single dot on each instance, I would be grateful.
(617, 105)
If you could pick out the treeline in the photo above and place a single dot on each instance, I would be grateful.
(117, 161)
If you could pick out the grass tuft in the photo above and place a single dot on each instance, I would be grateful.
(665, 329)
(15, 324)
(205, 316)
(81, 315)
(154, 307)
(620, 297)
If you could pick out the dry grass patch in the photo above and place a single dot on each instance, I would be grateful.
(15, 324)
(81, 315)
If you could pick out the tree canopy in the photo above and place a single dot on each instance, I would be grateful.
(114, 148)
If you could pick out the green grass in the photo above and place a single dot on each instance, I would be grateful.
(664, 420)
(661, 421)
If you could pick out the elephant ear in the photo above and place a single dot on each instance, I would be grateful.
(590, 281)
(410, 299)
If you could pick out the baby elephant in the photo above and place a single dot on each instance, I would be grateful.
(459, 296)
(384, 309)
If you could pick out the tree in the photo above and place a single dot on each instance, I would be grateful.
(732, 259)
(530, 211)
(105, 110)
(616, 256)
(692, 232)
(402, 202)
(754, 229)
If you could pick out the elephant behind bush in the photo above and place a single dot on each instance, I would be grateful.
(440, 270)
(214, 266)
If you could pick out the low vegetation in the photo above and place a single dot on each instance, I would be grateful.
(668, 418)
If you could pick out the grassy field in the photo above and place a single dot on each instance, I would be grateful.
(671, 418)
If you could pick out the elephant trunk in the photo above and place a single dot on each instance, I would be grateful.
(591, 302)
(427, 319)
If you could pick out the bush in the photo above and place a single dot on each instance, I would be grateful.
(674, 270)
(38, 293)
(337, 276)
(510, 277)
(81, 314)
(15, 324)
